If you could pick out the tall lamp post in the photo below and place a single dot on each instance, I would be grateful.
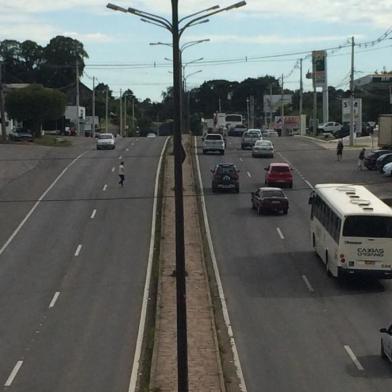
(177, 27)
(188, 113)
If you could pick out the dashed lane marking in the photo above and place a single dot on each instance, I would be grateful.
(249, 175)
(113, 169)
(105, 187)
(308, 285)
(353, 357)
(13, 374)
(280, 233)
(54, 299)
(78, 249)
(93, 214)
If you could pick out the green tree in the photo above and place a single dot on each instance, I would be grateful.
(34, 105)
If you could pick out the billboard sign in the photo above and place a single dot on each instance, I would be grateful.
(273, 102)
(319, 61)
(290, 122)
(346, 112)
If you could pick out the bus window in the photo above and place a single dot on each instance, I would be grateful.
(368, 226)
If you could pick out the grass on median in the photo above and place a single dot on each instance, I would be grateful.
(56, 141)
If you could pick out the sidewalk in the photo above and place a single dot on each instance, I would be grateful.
(370, 143)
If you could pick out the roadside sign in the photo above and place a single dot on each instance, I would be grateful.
(346, 112)
(273, 102)
(319, 61)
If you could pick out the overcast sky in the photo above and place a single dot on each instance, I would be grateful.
(242, 41)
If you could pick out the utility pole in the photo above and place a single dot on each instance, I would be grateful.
(125, 114)
(314, 121)
(133, 115)
(77, 99)
(247, 112)
(2, 110)
(282, 109)
(219, 105)
(93, 109)
(107, 110)
(301, 88)
(121, 114)
(271, 107)
(352, 94)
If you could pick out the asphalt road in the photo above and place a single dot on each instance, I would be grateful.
(295, 328)
(72, 279)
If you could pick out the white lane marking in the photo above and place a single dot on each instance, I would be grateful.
(280, 233)
(26, 218)
(113, 169)
(93, 214)
(353, 357)
(127, 149)
(241, 160)
(13, 374)
(78, 249)
(120, 157)
(308, 285)
(249, 175)
(308, 184)
(54, 299)
(105, 187)
(237, 362)
(143, 313)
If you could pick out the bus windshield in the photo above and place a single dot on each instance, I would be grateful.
(368, 226)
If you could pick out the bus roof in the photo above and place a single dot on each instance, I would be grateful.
(349, 199)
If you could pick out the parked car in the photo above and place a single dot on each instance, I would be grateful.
(329, 127)
(20, 134)
(250, 137)
(214, 142)
(279, 173)
(269, 133)
(386, 343)
(106, 141)
(269, 200)
(237, 130)
(343, 131)
(370, 159)
(225, 176)
(382, 160)
(263, 148)
(387, 169)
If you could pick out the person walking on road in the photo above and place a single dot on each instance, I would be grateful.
(361, 158)
(339, 150)
(121, 173)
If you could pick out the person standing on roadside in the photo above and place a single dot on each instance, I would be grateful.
(361, 158)
(121, 173)
(339, 150)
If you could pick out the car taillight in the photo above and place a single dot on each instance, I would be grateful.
(342, 258)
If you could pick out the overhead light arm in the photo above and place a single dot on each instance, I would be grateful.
(148, 15)
(215, 7)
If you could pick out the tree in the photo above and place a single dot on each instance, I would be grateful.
(34, 105)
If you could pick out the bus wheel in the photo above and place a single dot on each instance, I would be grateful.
(327, 264)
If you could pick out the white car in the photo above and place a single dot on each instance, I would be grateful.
(387, 169)
(330, 127)
(386, 343)
(263, 148)
(214, 142)
(106, 141)
(250, 137)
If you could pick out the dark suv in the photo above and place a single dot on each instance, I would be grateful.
(371, 159)
(225, 176)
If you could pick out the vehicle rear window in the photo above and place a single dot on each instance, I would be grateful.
(368, 226)
(105, 136)
(225, 170)
(273, 194)
(280, 169)
(213, 137)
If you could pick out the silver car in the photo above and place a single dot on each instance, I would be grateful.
(263, 148)
(386, 343)
(106, 141)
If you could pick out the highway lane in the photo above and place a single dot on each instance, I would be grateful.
(291, 322)
(72, 300)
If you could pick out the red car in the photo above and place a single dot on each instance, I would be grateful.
(279, 173)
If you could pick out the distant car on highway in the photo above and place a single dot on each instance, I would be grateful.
(106, 141)
(329, 127)
(279, 173)
(269, 133)
(237, 130)
(213, 142)
(250, 137)
(371, 159)
(151, 134)
(263, 148)
(386, 343)
(225, 177)
(269, 199)
(20, 135)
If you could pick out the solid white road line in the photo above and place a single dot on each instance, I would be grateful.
(78, 249)
(308, 285)
(237, 362)
(241, 160)
(113, 169)
(249, 175)
(54, 299)
(13, 374)
(353, 357)
(93, 214)
(26, 218)
(308, 184)
(143, 313)
(105, 187)
(280, 233)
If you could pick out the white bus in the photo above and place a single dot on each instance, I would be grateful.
(351, 230)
